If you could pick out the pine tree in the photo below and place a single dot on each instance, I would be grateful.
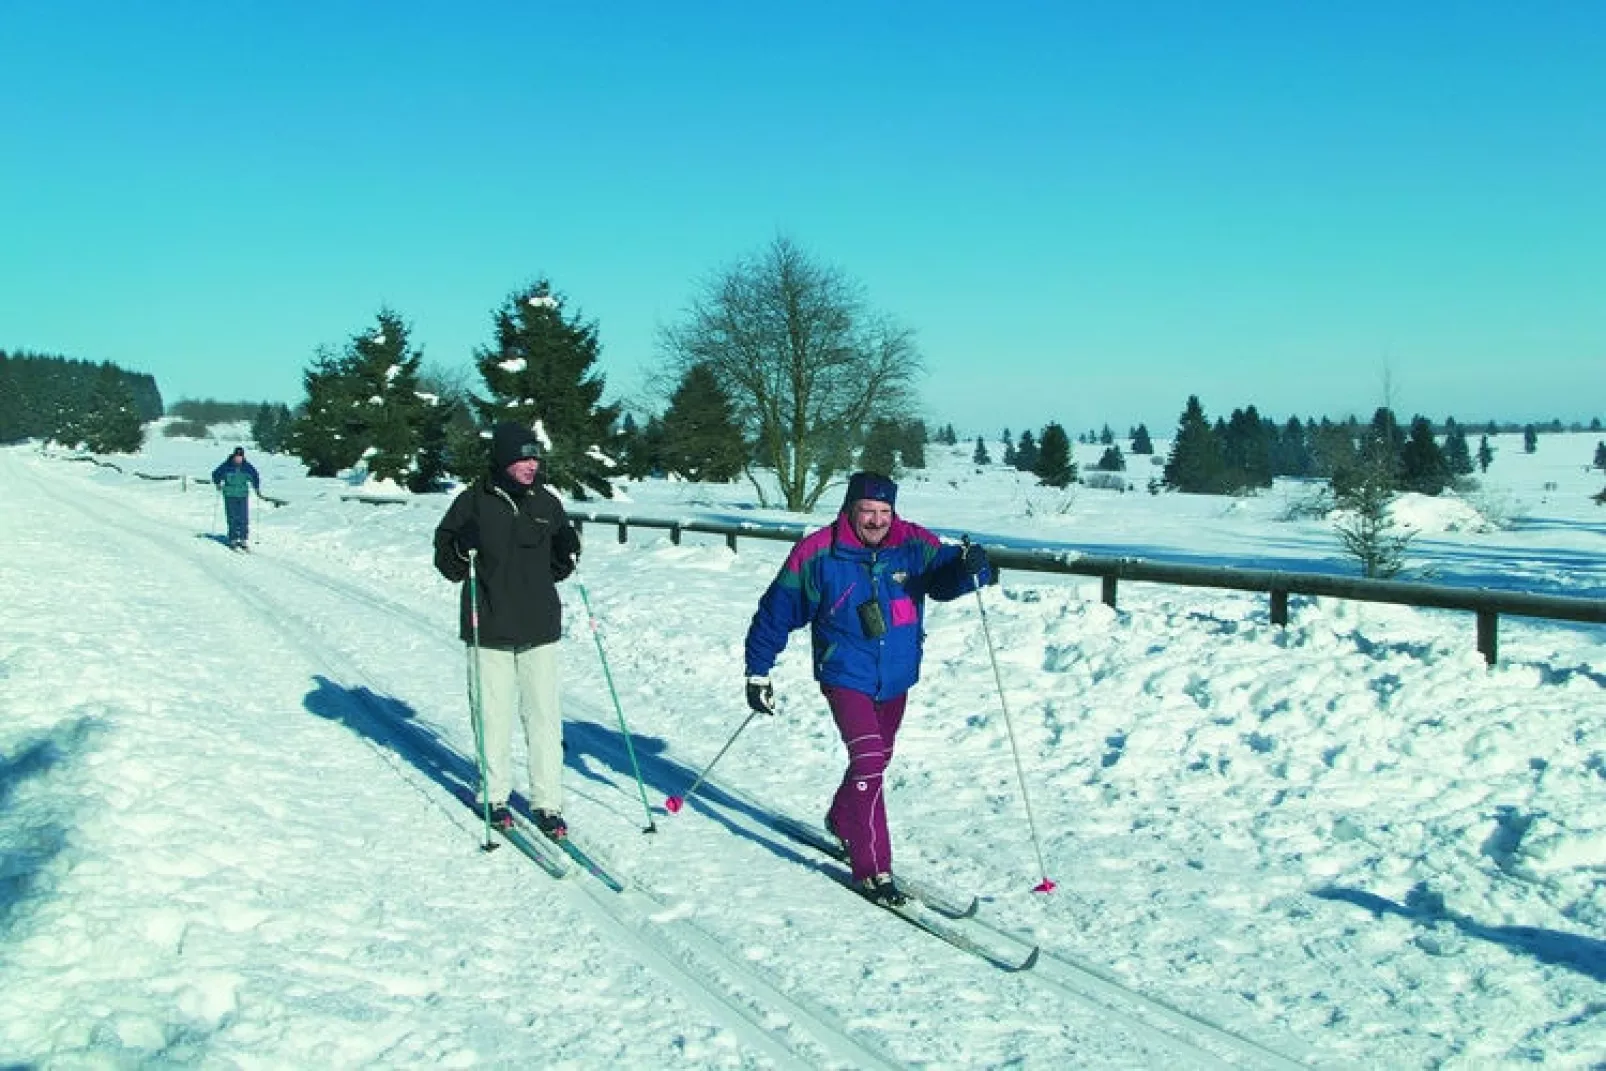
(1246, 448)
(1111, 460)
(1485, 454)
(1423, 468)
(702, 439)
(1457, 455)
(1292, 454)
(396, 429)
(111, 424)
(1530, 439)
(1106, 436)
(270, 427)
(912, 439)
(1141, 443)
(1026, 452)
(540, 374)
(323, 436)
(979, 456)
(880, 452)
(1600, 456)
(1195, 465)
(1054, 465)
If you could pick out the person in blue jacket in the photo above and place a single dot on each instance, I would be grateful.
(861, 584)
(236, 478)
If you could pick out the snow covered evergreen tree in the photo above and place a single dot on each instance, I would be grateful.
(540, 372)
(400, 428)
(365, 404)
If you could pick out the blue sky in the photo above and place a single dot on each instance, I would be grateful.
(1087, 212)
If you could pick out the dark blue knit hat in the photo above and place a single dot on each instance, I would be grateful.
(871, 485)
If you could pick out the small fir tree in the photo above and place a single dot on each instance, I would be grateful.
(1457, 455)
(1054, 465)
(1530, 439)
(1423, 468)
(1026, 452)
(1485, 454)
(1141, 443)
(1111, 460)
(979, 455)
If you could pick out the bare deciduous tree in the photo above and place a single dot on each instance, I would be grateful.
(804, 359)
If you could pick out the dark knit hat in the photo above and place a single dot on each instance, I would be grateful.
(512, 442)
(870, 485)
(239, 451)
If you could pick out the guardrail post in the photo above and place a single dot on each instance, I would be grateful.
(1488, 635)
(1107, 590)
(674, 534)
(730, 541)
(624, 532)
(1279, 607)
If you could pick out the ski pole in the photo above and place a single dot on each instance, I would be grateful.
(618, 709)
(477, 716)
(674, 803)
(1047, 884)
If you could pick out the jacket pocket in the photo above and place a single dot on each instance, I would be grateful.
(903, 611)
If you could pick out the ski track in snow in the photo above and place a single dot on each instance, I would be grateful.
(207, 747)
(290, 615)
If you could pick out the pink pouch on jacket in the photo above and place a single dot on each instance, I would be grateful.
(903, 612)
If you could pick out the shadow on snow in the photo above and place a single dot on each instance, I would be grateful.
(1423, 907)
(594, 752)
(26, 848)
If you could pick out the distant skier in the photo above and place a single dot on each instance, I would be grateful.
(860, 584)
(525, 545)
(236, 478)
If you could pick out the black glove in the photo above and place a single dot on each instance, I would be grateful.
(565, 552)
(975, 559)
(467, 537)
(761, 695)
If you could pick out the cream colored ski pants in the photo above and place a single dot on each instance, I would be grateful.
(526, 683)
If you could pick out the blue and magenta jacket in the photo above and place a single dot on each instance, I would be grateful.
(828, 575)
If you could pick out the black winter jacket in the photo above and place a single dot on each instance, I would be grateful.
(526, 546)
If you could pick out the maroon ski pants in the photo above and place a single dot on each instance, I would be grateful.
(858, 812)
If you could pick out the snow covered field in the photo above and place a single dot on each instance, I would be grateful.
(229, 837)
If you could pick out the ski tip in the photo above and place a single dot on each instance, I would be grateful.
(489, 846)
(673, 804)
(970, 909)
(1030, 961)
(1045, 886)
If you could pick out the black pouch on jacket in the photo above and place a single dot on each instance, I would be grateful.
(871, 619)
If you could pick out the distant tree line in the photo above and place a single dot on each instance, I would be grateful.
(77, 403)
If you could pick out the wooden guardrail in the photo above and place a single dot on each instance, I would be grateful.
(1487, 604)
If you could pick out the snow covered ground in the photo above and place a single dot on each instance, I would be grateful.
(229, 831)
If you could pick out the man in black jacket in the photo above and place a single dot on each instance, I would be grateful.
(525, 545)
